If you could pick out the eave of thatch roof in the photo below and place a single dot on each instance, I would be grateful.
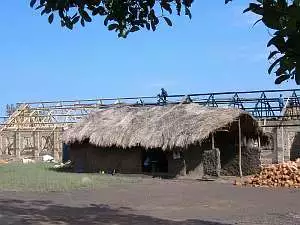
(163, 127)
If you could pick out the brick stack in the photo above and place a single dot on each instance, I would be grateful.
(277, 175)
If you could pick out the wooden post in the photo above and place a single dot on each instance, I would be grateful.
(212, 141)
(240, 148)
(282, 144)
(258, 142)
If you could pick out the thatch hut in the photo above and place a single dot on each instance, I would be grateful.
(173, 138)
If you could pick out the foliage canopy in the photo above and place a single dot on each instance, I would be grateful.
(126, 16)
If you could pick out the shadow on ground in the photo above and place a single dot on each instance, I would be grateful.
(45, 212)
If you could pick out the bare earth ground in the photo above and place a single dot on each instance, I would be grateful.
(154, 202)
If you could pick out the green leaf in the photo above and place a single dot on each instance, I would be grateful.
(165, 5)
(82, 22)
(278, 42)
(61, 13)
(188, 12)
(134, 29)
(43, 12)
(38, 7)
(272, 19)
(255, 8)
(148, 26)
(32, 3)
(273, 65)
(95, 12)
(247, 10)
(272, 54)
(178, 7)
(112, 26)
(285, 65)
(69, 25)
(76, 19)
(256, 22)
(297, 2)
(101, 11)
(282, 78)
(297, 72)
(106, 21)
(151, 3)
(86, 16)
(153, 25)
(50, 18)
(168, 21)
(282, 4)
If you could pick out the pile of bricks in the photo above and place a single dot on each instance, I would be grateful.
(277, 175)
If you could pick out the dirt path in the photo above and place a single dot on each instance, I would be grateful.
(155, 202)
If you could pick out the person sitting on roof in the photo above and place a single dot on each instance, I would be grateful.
(162, 97)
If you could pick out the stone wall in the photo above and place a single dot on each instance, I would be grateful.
(212, 162)
(286, 138)
(250, 162)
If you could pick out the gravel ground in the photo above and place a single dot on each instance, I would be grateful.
(154, 202)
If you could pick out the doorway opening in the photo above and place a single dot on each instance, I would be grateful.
(154, 161)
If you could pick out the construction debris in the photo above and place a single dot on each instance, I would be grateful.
(276, 175)
(27, 160)
(48, 158)
(3, 161)
(66, 165)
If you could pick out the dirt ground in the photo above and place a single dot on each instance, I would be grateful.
(154, 202)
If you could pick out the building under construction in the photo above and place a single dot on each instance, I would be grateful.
(35, 129)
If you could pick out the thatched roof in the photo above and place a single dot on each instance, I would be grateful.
(163, 127)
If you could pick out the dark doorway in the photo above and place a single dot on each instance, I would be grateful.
(154, 160)
(225, 141)
(66, 153)
(295, 148)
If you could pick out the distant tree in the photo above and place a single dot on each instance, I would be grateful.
(126, 16)
(122, 16)
(283, 18)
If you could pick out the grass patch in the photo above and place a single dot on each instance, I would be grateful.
(40, 177)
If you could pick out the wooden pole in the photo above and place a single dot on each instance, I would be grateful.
(212, 141)
(240, 149)
(282, 144)
(258, 142)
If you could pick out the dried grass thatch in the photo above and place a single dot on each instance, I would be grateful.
(163, 127)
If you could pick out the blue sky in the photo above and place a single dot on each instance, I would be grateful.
(218, 50)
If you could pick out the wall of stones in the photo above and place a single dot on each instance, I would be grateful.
(250, 162)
